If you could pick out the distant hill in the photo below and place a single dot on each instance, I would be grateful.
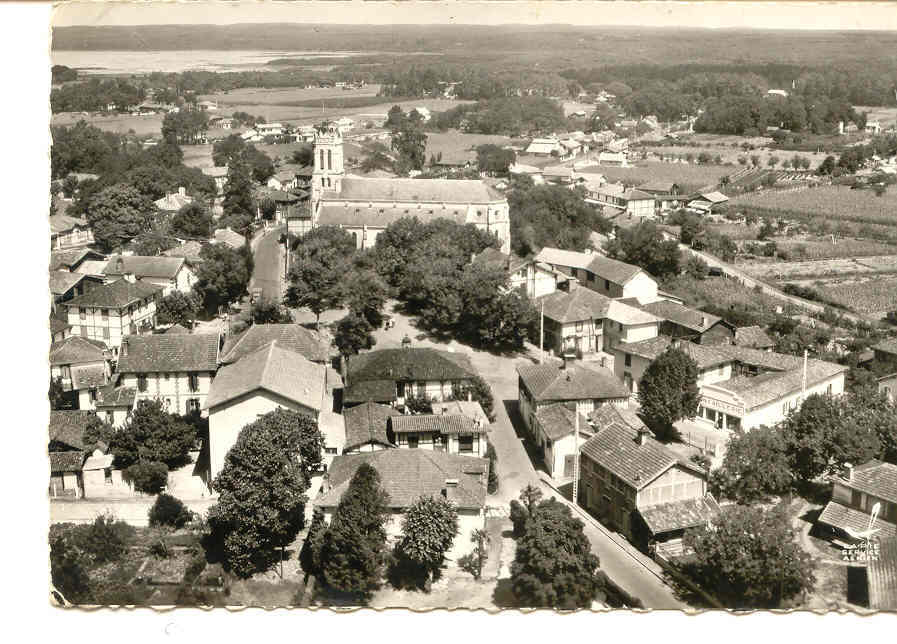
(573, 45)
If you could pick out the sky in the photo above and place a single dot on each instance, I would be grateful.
(762, 15)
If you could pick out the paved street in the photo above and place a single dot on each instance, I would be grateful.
(627, 567)
(268, 255)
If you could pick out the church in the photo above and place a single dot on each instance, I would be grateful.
(365, 207)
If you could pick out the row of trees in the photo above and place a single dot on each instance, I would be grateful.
(94, 95)
(513, 116)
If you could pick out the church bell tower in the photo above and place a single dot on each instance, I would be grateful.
(329, 172)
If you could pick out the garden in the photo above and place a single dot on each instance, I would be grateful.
(868, 296)
(832, 202)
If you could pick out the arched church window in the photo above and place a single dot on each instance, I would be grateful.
(329, 160)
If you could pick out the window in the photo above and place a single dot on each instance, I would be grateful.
(166, 376)
(193, 381)
(322, 164)
(105, 313)
(110, 418)
(413, 441)
(141, 382)
(578, 326)
(105, 332)
(591, 277)
(465, 443)
(82, 313)
(722, 368)
(400, 390)
(421, 388)
(628, 360)
(828, 389)
(192, 405)
(620, 326)
(66, 372)
(606, 285)
(107, 476)
(83, 331)
(331, 450)
(329, 160)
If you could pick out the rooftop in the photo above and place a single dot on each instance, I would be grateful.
(61, 282)
(373, 375)
(69, 258)
(409, 474)
(116, 295)
(366, 423)
(705, 356)
(441, 423)
(88, 376)
(559, 420)
(70, 461)
(64, 223)
(292, 337)
(168, 352)
(227, 236)
(279, 371)
(882, 576)
(692, 319)
(753, 337)
(436, 191)
(143, 266)
(113, 396)
(606, 415)
(604, 267)
(67, 428)
(174, 201)
(75, 350)
(582, 303)
(887, 346)
(555, 381)
(876, 478)
(679, 515)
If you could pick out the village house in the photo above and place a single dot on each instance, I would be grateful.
(754, 337)
(440, 432)
(283, 179)
(81, 366)
(885, 353)
(366, 206)
(65, 286)
(389, 376)
(603, 275)
(855, 495)
(888, 386)
(406, 475)
(219, 174)
(230, 238)
(189, 250)
(59, 330)
(69, 232)
(585, 321)
(269, 129)
(72, 260)
(554, 429)
(365, 427)
(705, 202)
(679, 321)
(176, 369)
(545, 147)
(613, 159)
(172, 202)
(170, 273)
(112, 311)
(527, 275)
(559, 174)
(565, 381)
(633, 202)
(270, 378)
(639, 487)
(67, 452)
(292, 337)
(115, 403)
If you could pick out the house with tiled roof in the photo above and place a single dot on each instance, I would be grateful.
(115, 402)
(170, 273)
(634, 202)
(705, 202)
(70, 260)
(81, 366)
(172, 202)
(69, 232)
(293, 337)
(680, 321)
(754, 337)
(67, 451)
(409, 474)
(189, 250)
(388, 376)
(554, 431)
(176, 369)
(59, 329)
(580, 319)
(639, 487)
(603, 275)
(230, 238)
(534, 278)
(885, 352)
(881, 575)
(109, 312)
(855, 495)
(269, 378)
(439, 432)
(566, 381)
(365, 427)
(65, 285)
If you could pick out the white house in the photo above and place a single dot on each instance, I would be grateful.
(601, 274)
(81, 366)
(169, 273)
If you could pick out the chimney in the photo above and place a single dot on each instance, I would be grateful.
(182, 191)
(847, 472)
(643, 435)
(451, 490)
(129, 277)
(124, 347)
(703, 321)
(469, 396)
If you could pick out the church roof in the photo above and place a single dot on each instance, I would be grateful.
(466, 191)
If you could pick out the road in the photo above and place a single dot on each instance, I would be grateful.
(268, 255)
(627, 567)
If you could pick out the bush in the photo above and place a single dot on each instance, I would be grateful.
(169, 511)
(519, 517)
(150, 477)
(492, 484)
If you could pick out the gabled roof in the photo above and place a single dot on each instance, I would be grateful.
(168, 353)
(380, 216)
(663, 187)
(882, 576)
(637, 195)
(88, 377)
(886, 346)
(441, 423)
(679, 515)
(64, 223)
(76, 350)
(142, 266)
(387, 366)
(174, 201)
(692, 319)
(714, 197)
(582, 303)
(188, 250)
(554, 381)
(438, 191)
(227, 236)
(754, 337)
(292, 337)
(115, 295)
(705, 356)
(604, 267)
(70, 258)
(67, 428)
(279, 371)
(61, 282)
(876, 478)
(58, 326)
(559, 420)
(113, 396)
(616, 448)
(409, 474)
(606, 415)
(70, 461)
(366, 423)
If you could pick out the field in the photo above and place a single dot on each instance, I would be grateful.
(120, 124)
(724, 294)
(866, 295)
(286, 95)
(833, 202)
(730, 154)
(773, 271)
(453, 142)
(690, 177)
(886, 115)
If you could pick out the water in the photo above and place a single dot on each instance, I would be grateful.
(142, 62)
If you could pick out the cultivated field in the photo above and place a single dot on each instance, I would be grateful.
(833, 202)
(690, 177)
(730, 154)
(773, 271)
(866, 295)
(285, 95)
(120, 124)
(453, 142)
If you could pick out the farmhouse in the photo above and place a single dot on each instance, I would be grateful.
(365, 207)
(601, 274)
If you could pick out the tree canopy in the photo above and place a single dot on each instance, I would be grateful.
(118, 214)
(151, 434)
(222, 277)
(193, 220)
(668, 391)
(755, 466)
(429, 528)
(644, 246)
(178, 308)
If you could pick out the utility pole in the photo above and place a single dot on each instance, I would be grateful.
(575, 455)
(803, 386)
(542, 333)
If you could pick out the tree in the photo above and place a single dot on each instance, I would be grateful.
(96, 431)
(185, 126)
(68, 568)
(668, 391)
(316, 283)
(750, 558)
(690, 228)
(474, 562)
(365, 295)
(553, 565)
(178, 308)
(410, 143)
(149, 477)
(552, 216)
(772, 161)
(353, 333)
(696, 268)
(310, 555)
(755, 160)
(376, 157)
(530, 497)
(352, 552)
(169, 511)
(238, 201)
(807, 432)
(494, 159)
(152, 435)
(755, 466)
(193, 221)
(118, 214)
(261, 507)
(59, 398)
(429, 527)
(644, 246)
(222, 277)
(266, 311)
(304, 155)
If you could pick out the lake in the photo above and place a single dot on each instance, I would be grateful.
(142, 62)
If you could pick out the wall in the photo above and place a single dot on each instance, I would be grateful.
(66, 485)
(676, 484)
(119, 415)
(642, 286)
(171, 388)
(607, 497)
(538, 281)
(635, 370)
(773, 412)
(715, 374)
(226, 421)
(449, 443)
(640, 207)
(117, 322)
